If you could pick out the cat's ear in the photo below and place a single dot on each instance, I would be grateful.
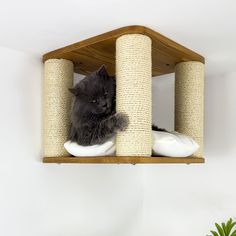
(74, 91)
(102, 71)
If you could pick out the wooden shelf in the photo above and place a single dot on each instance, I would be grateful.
(88, 55)
(124, 160)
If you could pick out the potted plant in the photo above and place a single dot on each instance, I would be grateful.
(225, 229)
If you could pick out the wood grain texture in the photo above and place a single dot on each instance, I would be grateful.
(124, 160)
(88, 55)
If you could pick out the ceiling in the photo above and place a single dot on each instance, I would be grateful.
(205, 26)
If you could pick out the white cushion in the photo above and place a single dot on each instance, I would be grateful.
(173, 144)
(105, 149)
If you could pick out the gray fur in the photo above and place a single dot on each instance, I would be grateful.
(93, 116)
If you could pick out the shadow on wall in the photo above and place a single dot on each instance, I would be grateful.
(163, 101)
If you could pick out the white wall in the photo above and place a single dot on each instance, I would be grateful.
(110, 200)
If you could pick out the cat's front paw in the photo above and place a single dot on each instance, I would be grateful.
(122, 121)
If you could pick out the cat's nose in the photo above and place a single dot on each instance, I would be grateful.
(104, 105)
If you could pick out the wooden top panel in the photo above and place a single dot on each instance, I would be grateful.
(124, 160)
(88, 55)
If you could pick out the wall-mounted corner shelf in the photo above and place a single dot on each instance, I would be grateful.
(124, 160)
(84, 57)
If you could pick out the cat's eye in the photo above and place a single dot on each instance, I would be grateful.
(94, 101)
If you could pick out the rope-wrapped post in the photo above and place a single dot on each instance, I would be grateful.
(58, 77)
(189, 101)
(133, 94)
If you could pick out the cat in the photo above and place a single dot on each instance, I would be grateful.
(93, 116)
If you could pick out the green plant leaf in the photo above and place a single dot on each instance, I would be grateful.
(220, 230)
(225, 229)
(228, 225)
(214, 233)
(230, 221)
(231, 227)
(234, 233)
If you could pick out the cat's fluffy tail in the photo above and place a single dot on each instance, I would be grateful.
(154, 127)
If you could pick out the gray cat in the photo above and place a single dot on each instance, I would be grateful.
(93, 116)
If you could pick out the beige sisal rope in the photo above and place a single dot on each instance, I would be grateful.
(189, 101)
(133, 96)
(57, 102)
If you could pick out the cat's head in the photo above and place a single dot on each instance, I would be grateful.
(95, 93)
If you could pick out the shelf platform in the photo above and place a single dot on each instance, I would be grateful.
(124, 160)
(88, 55)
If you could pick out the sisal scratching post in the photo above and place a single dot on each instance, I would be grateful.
(189, 101)
(57, 102)
(133, 94)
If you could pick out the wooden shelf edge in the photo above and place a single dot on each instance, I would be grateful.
(124, 160)
(131, 29)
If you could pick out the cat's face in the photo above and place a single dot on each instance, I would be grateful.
(95, 93)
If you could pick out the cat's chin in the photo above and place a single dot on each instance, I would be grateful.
(108, 112)
(105, 113)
